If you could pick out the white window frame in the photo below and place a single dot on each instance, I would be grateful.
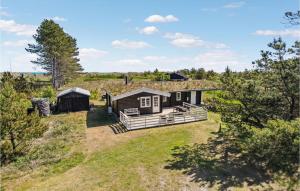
(178, 96)
(145, 98)
(164, 99)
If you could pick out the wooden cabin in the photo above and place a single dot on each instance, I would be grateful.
(150, 101)
(73, 99)
(175, 76)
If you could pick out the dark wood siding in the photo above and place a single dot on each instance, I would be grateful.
(73, 102)
(198, 97)
(134, 102)
(167, 103)
(178, 77)
(185, 97)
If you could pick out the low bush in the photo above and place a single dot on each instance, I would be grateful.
(95, 94)
(53, 151)
(46, 92)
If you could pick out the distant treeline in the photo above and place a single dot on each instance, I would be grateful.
(156, 75)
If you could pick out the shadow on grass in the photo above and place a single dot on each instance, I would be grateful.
(216, 163)
(99, 117)
(118, 128)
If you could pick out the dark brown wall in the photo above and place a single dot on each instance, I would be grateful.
(73, 102)
(198, 97)
(133, 102)
(174, 76)
(185, 97)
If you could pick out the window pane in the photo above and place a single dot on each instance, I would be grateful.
(143, 102)
(148, 102)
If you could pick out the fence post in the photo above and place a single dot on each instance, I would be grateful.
(129, 123)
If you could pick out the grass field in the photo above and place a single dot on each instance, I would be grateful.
(96, 158)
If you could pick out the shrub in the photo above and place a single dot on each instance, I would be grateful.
(18, 129)
(46, 92)
(95, 94)
(276, 146)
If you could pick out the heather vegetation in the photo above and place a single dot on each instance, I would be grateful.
(260, 122)
(249, 142)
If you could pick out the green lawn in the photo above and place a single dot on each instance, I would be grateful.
(102, 160)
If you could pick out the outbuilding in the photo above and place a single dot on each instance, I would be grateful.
(73, 99)
(176, 76)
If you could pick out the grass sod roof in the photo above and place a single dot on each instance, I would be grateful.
(119, 87)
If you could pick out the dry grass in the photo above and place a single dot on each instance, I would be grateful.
(134, 160)
(116, 87)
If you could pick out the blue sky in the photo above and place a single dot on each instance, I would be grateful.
(137, 35)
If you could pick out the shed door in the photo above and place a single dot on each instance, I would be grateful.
(193, 97)
(156, 103)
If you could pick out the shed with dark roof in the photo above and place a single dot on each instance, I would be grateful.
(176, 76)
(73, 99)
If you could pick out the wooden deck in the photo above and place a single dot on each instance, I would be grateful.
(193, 113)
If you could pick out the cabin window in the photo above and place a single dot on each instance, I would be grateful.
(178, 96)
(145, 102)
(164, 99)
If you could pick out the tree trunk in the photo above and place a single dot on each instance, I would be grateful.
(292, 108)
(54, 74)
(12, 141)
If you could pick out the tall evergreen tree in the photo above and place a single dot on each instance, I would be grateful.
(281, 75)
(18, 129)
(57, 52)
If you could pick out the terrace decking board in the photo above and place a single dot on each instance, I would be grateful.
(194, 113)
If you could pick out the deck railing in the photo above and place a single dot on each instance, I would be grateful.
(124, 119)
(194, 113)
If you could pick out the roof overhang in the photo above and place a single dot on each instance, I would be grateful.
(200, 89)
(147, 90)
(76, 90)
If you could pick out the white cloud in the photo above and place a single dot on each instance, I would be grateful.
(3, 12)
(90, 58)
(16, 43)
(129, 44)
(219, 59)
(234, 5)
(187, 41)
(287, 32)
(59, 19)
(155, 58)
(216, 60)
(11, 26)
(184, 40)
(161, 19)
(87, 53)
(149, 30)
(121, 65)
(19, 62)
(131, 62)
(168, 63)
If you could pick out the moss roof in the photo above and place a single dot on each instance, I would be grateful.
(119, 87)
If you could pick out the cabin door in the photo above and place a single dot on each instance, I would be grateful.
(156, 104)
(193, 97)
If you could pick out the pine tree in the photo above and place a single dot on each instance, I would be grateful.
(57, 52)
(18, 129)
